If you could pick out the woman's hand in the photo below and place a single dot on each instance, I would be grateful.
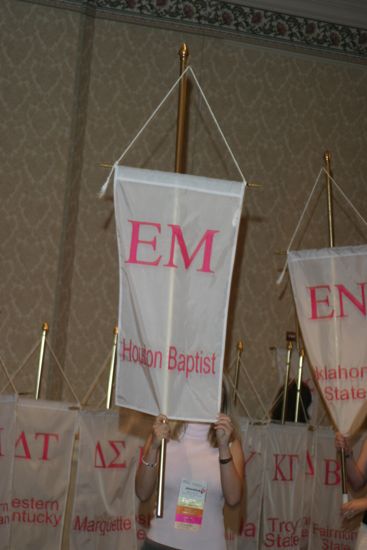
(342, 442)
(160, 430)
(223, 429)
(354, 507)
(146, 474)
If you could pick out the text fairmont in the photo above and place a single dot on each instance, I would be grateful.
(193, 363)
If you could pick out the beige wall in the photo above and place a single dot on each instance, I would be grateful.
(75, 91)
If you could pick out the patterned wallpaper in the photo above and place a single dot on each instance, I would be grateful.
(75, 91)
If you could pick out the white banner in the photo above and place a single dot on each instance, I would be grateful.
(327, 530)
(177, 237)
(329, 287)
(43, 448)
(104, 503)
(254, 447)
(7, 441)
(284, 523)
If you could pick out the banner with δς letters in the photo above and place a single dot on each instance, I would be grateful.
(45, 433)
(177, 238)
(103, 515)
(329, 287)
(7, 441)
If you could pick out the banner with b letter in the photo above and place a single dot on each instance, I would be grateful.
(177, 237)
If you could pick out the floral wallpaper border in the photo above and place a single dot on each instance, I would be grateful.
(242, 21)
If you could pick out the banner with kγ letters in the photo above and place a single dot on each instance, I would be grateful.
(329, 287)
(177, 238)
(284, 522)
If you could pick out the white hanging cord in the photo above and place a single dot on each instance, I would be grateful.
(321, 417)
(281, 276)
(93, 386)
(346, 198)
(62, 373)
(358, 214)
(22, 365)
(239, 397)
(8, 375)
(106, 183)
(102, 401)
(255, 391)
(217, 125)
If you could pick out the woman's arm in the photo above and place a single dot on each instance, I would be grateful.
(356, 469)
(231, 461)
(354, 507)
(146, 475)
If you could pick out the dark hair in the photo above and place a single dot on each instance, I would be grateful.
(305, 402)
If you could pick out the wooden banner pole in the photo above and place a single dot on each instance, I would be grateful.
(179, 167)
(112, 368)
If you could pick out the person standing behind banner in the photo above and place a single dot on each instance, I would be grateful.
(204, 469)
(356, 471)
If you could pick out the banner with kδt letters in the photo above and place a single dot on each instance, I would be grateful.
(329, 287)
(177, 239)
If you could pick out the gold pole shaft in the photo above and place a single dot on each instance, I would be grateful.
(299, 382)
(330, 213)
(344, 475)
(179, 167)
(329, 191)
(162, 465)
(286, 380)
(181, 112)
(237, 371)
(112, 368)
(41, 359)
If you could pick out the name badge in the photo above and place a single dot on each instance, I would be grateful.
(190, 505)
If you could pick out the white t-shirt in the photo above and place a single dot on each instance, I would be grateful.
(194, 459)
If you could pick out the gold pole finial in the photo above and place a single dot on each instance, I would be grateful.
(240, 346)
(45, 327)
(183, 51)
